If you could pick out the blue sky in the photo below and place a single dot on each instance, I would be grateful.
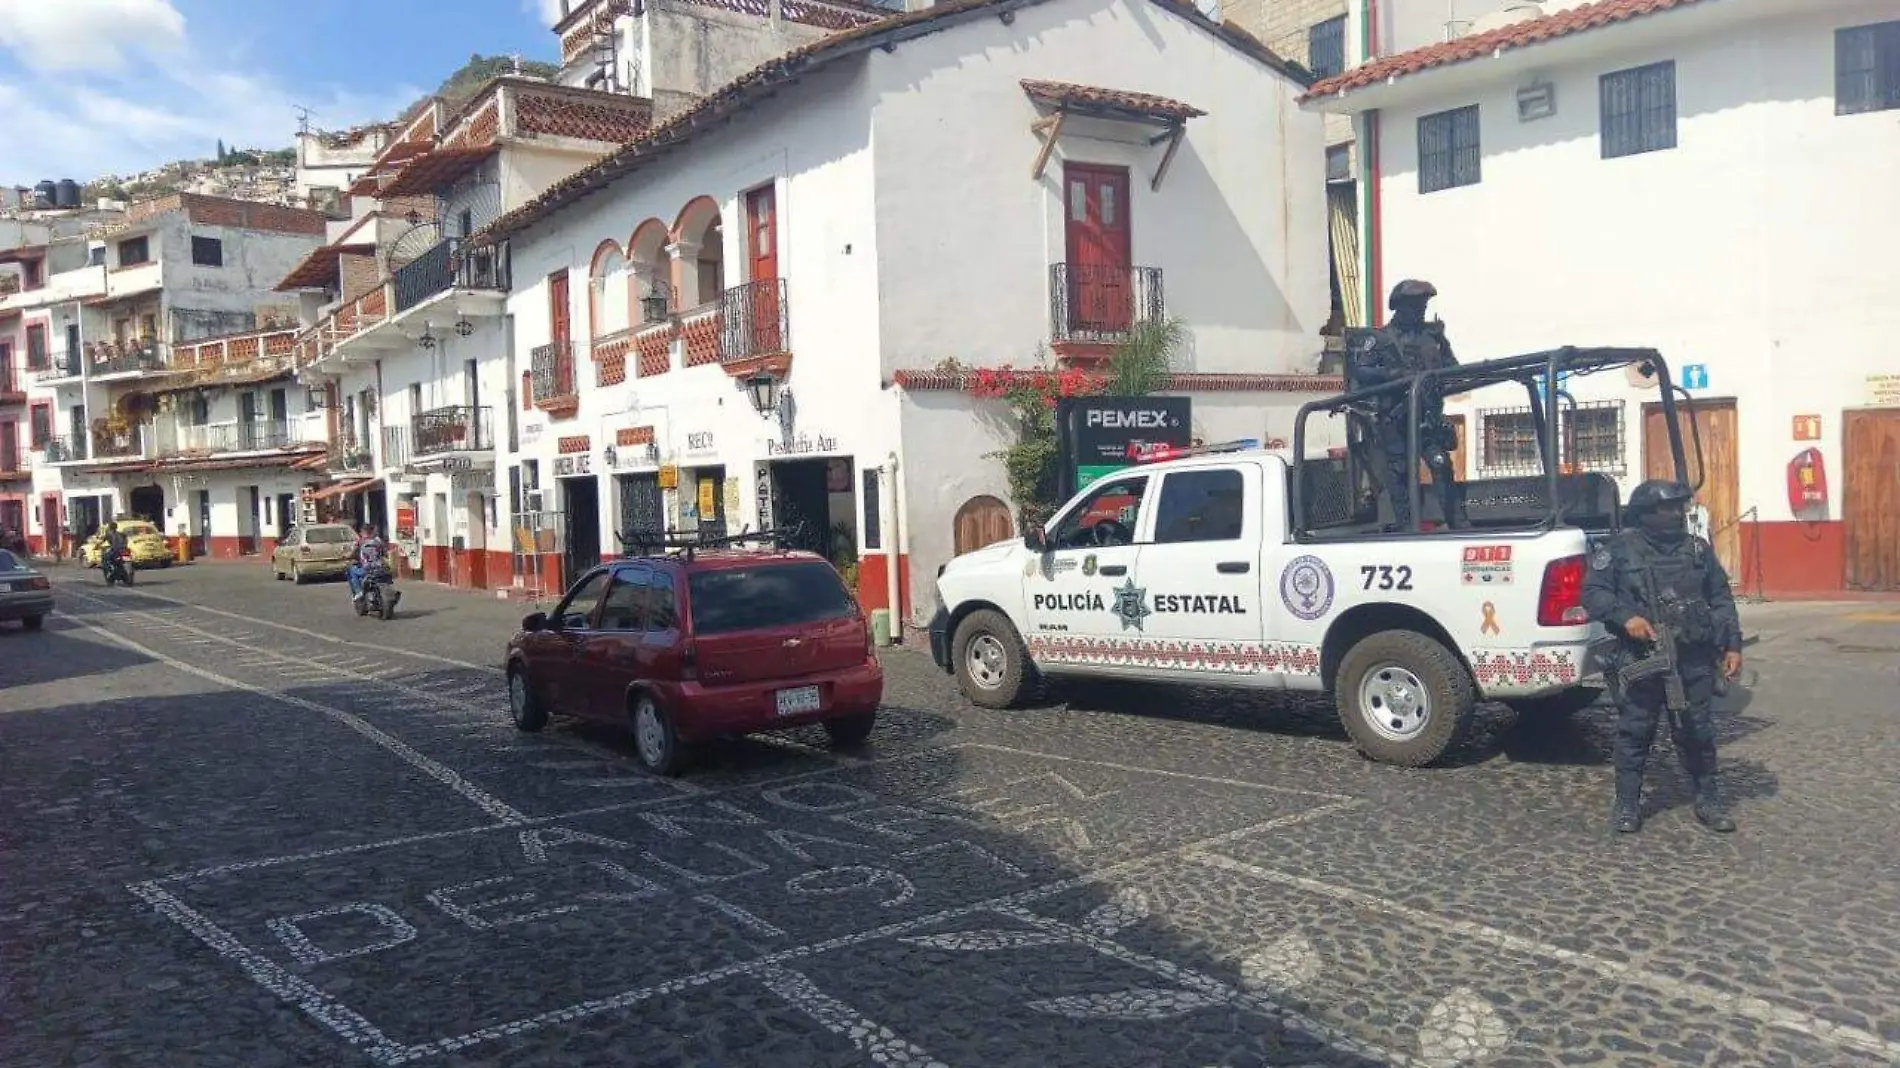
(91, 87)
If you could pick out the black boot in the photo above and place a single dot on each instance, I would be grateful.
(1710, 809)
(1626, 815)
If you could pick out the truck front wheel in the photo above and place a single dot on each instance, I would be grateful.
(1403, 697)
(991, 663)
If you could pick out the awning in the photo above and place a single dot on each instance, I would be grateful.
(437, 170)
(344, 489)
(319, 270)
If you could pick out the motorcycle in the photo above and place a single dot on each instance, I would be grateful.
(117, 567)
(379, 593)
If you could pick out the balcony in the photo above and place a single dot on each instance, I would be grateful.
(458, 428)
(1095, 307)
(65, 449)
(12, 385)
(450, 265)
(59, 366)
(106, 359)
(350, 454)
(264, 434)
(754, 327)
(396, 452)
(14, 462)
(552, 378)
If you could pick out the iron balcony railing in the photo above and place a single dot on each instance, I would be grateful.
(552, 376)
(395, 446)
(350, 453)
(119, 357)
(1090, 303)
(12, 384)
(754, 320)
(65, 448)
(13, 459)
(451, 264)
(263, 434)
(459, 428)
(126, 444)
(58, 365)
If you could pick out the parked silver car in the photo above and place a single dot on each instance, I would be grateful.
(25, 594)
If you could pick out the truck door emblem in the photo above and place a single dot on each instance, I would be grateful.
(1088, 565)
(1306, 587)
(1129, 605)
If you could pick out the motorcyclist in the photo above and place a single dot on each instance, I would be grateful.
(115, 550)
(368, 553)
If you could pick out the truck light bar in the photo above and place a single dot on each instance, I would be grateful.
(1151, 454)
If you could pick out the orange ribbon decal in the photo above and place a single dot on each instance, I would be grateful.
(1490, 618)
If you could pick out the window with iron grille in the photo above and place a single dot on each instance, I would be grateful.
(1638, 109)
(1326, 47)
(134, 251)
(1590, 439)
(1448, 154)
(207, 252)
(1867, 68)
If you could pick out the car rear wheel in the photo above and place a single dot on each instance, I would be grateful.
(296, 574)
(525, 706)
(654, 739)
(849, 731)
(33, 622)
(1403, 697)
(992, 665)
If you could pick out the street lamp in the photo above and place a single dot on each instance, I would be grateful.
(763, 389)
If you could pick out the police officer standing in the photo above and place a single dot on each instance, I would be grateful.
(1655, 574)
(1408, 346)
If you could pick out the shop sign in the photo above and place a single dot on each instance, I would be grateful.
(574, 464)
(669, 477)
(699, 443)
(801, 445)
(1094, 435)
(1883, 390)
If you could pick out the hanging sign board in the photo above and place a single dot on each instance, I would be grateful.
(1096, 436)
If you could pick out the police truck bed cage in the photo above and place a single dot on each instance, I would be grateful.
(685, 544)
(1340, 496)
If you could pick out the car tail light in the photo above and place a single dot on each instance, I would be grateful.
(689, 662)
(1560, 601)
(39, 583)
(870, 641)
(305, 551)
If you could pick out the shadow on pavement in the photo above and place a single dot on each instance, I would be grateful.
(58, 654)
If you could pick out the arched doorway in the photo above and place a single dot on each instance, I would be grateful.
(982, 520)
(148, 502)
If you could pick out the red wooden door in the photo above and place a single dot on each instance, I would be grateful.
(558, 310)
(1101, 298)
(761, 213)
(49, 523)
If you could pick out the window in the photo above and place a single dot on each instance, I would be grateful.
(41, 429)
(663, 611)
(1591, 439)
(626, 604)
(1326, 47)
(1200, 506)
(1638, 110)
(37, 358)
(133, 252)
(328, 534)
(32, 274)
(578, 609)
(207, 252)
(1448, 154)
(1510, 441)
(1106, 516)
(1867, 68)
(1339, 163)
(778, 595)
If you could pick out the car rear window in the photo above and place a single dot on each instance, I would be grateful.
(7, 562)
(328, 535)
(769, 595)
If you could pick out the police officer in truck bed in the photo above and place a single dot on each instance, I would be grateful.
(1652, 574)
(1408, 345)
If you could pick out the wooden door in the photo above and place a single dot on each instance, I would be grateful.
(761, 220)
(558, 309)
(1099, 243)
(1717, 423)
(1870, 498)
(981, 521)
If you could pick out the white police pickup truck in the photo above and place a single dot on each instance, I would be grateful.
(1188, 570)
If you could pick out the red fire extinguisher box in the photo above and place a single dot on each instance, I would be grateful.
(1807, 486)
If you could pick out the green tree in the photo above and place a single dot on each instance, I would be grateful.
(221, 153)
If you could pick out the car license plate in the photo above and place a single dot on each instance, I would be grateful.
(795, 701)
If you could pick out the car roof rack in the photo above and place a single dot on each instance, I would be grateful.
(1154, 454)
(683, 545)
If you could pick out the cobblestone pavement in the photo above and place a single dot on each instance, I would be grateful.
(243, 827)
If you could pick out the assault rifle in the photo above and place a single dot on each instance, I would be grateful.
(1665, 614)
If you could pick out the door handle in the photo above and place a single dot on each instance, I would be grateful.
(1113, 569)
(1234, 567)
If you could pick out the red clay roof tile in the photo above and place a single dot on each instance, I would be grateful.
(1504, 38)
(1119, 99)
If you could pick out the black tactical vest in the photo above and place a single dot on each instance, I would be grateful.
(1678, 574)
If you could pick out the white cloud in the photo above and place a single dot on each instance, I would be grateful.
(131, 93)
(61, 35)
(548, 11)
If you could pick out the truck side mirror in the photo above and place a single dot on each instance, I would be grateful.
(1034, 540)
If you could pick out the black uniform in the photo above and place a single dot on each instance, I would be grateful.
(1687, 592)
(1407, 346)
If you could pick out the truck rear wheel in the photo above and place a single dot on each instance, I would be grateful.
(1403, 697)
(992, 665)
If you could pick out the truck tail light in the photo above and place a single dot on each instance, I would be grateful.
(1560, 600)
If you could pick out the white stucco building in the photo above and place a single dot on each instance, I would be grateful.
(1716, 179)
(848, 230)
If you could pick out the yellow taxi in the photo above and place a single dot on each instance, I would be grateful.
(142, 539)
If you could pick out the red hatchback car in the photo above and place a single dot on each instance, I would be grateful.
(692, 646)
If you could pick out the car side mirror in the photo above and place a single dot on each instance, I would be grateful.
(534, 621)
(1035, 540)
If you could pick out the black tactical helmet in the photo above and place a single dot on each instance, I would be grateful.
(1654, 493)
(1410, 289)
